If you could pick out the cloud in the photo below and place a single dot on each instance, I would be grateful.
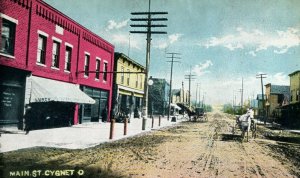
(279, 78)
(111, 24)
(171, 39)
(123, 39)
(257, 40)
(201, 69)
(252, 53)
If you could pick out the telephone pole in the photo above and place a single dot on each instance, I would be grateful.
(190, 77)
(197, 86)
(171, 75)
(242, 94)
(261, 76)
(148, 25)
(200, 95)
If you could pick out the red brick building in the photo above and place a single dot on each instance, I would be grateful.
(45, 61)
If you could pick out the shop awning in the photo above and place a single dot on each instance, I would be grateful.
(45, 90)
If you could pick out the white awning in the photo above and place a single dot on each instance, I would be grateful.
(175, 106)
(45, 90)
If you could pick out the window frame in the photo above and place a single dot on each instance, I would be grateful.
(41, 59)
(12, 26)
(86, 64)
(55, 57)
(105, 67)
(97, 69)
(122, 75)
(141, 84)
(128, 77)
(68, 59)
(137, 81)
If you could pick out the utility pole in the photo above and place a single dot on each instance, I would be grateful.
(203, 104)
(171, 75)
(190, 77)
(183, 92)
(197, 86)
(242, 94)
(261, 76)
(148, 25)
(199, 95)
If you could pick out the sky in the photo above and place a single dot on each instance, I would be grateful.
(220, 42)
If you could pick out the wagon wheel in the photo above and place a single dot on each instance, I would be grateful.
(234, 128)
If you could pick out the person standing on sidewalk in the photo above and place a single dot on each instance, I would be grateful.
(28, 119)
(104, 115)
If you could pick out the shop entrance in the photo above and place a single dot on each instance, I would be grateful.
(12, 91)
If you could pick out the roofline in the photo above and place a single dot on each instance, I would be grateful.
(294, 73)
(118, 54)
(69, 18)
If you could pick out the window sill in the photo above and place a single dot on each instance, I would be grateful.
(66, 71)
(97, 80)
(40, 64)
(7, 55)
(54, 68)
(86, 76)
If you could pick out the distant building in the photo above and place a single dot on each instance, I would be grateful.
(276, 96)
(158, 101)
(180, 96)
(290, 114)
(260, 104)
(295, 87)
(128, 85)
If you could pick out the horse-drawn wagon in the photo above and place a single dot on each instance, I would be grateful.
(245, 124)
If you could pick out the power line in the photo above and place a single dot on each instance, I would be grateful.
(170, 93)
(261, 76)
(148, 19)
(190, 77)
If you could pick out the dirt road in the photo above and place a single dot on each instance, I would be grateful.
(190, 149)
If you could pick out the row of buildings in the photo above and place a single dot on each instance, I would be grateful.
(281, 103)
(66, 73)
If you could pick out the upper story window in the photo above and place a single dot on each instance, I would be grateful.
(68, 58)
(105, 71)
(137, 81)
(55, 54)
(122, 75)
(141, 79)
(297, 95)
(41, 51)
(86, 65)
(8, 29)
(97, 69)
(128, 77)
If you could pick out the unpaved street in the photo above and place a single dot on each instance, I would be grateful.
(190, 149)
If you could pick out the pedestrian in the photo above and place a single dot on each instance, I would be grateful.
(104, 115)
(28, 119)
